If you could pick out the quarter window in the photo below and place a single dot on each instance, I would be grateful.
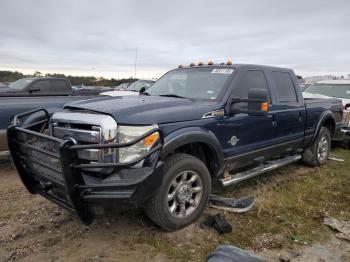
(285, 87)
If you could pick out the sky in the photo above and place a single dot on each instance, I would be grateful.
(100, 38)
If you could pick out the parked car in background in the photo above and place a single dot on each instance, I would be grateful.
(4, 84)
(90, 90)
(28, 94)
(38, 86)
(163, 149)
(132, 90)
(122, 86)
(339, 89)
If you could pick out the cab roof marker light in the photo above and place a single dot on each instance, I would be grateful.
(180, 66)
(229, 62)
(210, 62)
(192, 64)
(200, 63)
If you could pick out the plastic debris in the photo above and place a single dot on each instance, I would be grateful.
(228, 253)
(336, 159)
(239, 205)
(219, 222)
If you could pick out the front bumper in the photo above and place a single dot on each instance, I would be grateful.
(50, 167)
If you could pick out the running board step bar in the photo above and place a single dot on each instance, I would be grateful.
(266, 167)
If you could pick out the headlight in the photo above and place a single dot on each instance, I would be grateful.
(129, 133)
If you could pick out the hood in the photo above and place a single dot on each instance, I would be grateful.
(7, 90)
(144, 110)
(345, 101)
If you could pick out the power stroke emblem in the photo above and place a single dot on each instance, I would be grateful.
(233, 141)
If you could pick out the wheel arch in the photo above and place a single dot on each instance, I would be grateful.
(199, 142)
(327, 120)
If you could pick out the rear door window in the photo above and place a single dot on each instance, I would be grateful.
(285, 88)
(41, 86)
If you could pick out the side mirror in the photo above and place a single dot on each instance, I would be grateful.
(255, 104)
(142, 89)
(33, 89)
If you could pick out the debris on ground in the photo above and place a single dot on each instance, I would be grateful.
(239, 205)
(336, 159)
(227, 253)
(343, 227)
(219, 222)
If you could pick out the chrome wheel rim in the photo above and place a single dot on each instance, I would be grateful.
(323, 146)
(184, 194)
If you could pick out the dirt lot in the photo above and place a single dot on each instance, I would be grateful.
(286, 223)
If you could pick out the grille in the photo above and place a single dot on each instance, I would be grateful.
(87, 128)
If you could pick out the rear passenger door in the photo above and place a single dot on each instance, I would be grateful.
(289, 112)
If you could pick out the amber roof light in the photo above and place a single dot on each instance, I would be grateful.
(200, 63)
(229, 62)
(192, 64)
(180, 66)
(210, 62)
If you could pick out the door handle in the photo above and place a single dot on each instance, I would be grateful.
(300, 117)
(274, 121)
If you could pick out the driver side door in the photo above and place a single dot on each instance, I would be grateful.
(246, 136)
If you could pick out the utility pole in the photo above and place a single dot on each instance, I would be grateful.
(135, 61)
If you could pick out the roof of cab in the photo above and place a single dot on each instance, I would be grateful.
(237, 66)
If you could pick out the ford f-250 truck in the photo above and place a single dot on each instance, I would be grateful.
(30, 93)
(195, 127)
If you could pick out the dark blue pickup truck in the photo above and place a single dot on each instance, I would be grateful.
(196, 127)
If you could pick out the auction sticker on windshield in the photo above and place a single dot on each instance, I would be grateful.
(222, 71)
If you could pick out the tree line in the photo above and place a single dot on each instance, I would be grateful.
(10, 76)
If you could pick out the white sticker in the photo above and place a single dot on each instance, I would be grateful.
(222, 71)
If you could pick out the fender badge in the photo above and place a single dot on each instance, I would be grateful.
(233, 141)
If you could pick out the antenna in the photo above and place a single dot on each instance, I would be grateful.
(135, 61)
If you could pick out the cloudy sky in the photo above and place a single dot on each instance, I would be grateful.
(100, 38)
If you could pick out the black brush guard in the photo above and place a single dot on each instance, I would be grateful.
(50, 167)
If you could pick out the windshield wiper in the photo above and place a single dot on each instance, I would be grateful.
(173, 95)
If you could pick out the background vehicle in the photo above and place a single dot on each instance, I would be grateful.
(132, 90)
(122, 86)
(30, 93)
(4, 84)
(339, 89)
(90, 90)
(162, 150)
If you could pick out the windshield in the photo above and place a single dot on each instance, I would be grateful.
(20, 84)
(193, 83)
(334, 90)
(136, 86)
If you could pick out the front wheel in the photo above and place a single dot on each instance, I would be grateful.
(318, 153)
(183, 195)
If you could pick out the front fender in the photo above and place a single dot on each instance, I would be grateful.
(190, 135)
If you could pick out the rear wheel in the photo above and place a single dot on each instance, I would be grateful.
(183, 195)
(318, 153)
